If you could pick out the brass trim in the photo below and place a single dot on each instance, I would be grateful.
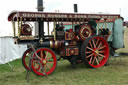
(14, 29)
(26, 38)
(41, 40)
(54, 30)
(72, 25)
(82, 29)
(56, 44)
(18, 27)
(51, 44)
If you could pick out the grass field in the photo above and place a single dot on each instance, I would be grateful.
(116, 73)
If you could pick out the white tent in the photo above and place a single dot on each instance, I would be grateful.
(10, 51)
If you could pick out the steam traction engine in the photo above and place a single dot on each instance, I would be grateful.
(76, 37)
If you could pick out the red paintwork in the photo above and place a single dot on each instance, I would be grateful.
(25, 64)
(47, 16)
(53, 58)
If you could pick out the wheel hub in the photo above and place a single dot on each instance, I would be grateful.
(44, 62)
(96, 51)
(87, 32)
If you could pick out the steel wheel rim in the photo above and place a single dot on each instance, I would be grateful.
(25, 58)
(48, 63)
(97, 52)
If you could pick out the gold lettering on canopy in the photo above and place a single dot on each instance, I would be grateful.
(53, 15)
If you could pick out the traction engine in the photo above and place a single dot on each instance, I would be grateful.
(78, 38)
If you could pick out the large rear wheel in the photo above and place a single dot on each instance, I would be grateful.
(95, 51)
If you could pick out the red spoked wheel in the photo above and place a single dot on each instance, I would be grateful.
(95, 51)
(46, 60)
(26, 58)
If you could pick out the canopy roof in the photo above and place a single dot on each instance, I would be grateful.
(48, 16)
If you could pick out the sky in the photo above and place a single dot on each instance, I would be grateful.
(84, 6)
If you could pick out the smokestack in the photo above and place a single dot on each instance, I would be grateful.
(40, 5)
(40, 23)
(75, 8)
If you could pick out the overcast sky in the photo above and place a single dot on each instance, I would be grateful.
(84, 6)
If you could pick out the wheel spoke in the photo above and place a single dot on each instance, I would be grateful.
(89, 52)
(89, 55)
(97, 42)
(101, 52)
(90, 60)
(90, 44)
(50, 62)
(101, 55)
(37, 56)
(94, 43)
(50, 57)
(39, 70)
(45, 68)
(90, 48)
(101, 47)
(35, 61)
(98, 58)
(97, 61)
(46, 55)
(41, 54)
(48, 66)
(93, 60)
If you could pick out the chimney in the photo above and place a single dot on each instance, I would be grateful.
(75, 8)
(40, 23)
(40, 5)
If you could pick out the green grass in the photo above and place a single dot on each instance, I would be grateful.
(116, 73)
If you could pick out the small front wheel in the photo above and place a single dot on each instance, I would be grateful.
(46, 60)
(26, 58)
